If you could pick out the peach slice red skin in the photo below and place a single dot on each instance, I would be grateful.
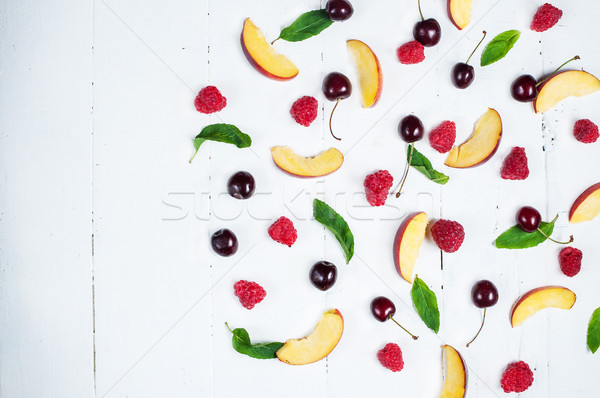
(581, 198)
(529, 294)
(379, 72)
(464, 366)
(309, 157)
(449, 10)
(535, 108)
(397, 241)
(255, 64)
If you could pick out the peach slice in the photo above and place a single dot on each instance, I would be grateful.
(455, 378)
(570, 83)
(482, 144)
(314, 166)
(370, 76)
(407, 242)
(459, 12)
(586, 206)
(263, 57)
(318, 345)
(538, 299)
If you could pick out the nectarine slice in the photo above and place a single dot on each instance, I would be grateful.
(571, 83)
(370, 77)
(263, 57)
(482, 144)
(455, 378)
(459, 12)
(315, 166)
(586, 206)
(318, 345)
(407, 243)
(538, 299)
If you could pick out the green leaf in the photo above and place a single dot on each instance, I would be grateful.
(499, 47)
(306, 25)
(421, 163)
(222, 132)
(336, 224)
(593, 333)
(426, 304)
(516, 238)
(242, 344)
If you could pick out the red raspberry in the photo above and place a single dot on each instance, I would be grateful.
(515, 165)
(377, 186)
(390, 357)
(569, 259)
(546, 17)
(585, 131)
(448, 235)
(249, 293)
(304, 110)
(517, 377)
(442, 137)
(412, 52)
(283, 231)
(210, 100)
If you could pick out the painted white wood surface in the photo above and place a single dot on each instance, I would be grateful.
(95, 134)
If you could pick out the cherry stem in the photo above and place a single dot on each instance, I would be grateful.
(273, 42)
(476, 47)
(419, 4)
(481, 327)
(412, 147)
(331, 117)
(556, 70)
(555, 241)
(403, 328)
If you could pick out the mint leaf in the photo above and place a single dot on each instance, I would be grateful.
(426, 304)
(336, 224)
(516, 238)
(593, 333)
(221, 132)
(421, 163)
(242, 344)
(499, 47)
(307, 25)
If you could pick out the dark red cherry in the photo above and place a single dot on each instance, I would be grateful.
(427, 32)
(528, 219)
(323, 275)
(411, 129)
(524, 88)
(224, 242)
(382, 308)
(462, 75)
(339, 10)
(241, 185)
(336, 86)
(484, 294)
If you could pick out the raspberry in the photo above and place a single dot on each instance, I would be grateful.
(249, 293)
(448, 235)
(442, 137)
(585, 131)
(517, 377)
(546, 17)
(390, 357)
(377, 187)
(283, 231)
(515, 165)
(304, 110)
(411, 53)
(210, 100)
(569, 259)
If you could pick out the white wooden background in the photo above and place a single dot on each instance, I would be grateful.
(108, 285)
